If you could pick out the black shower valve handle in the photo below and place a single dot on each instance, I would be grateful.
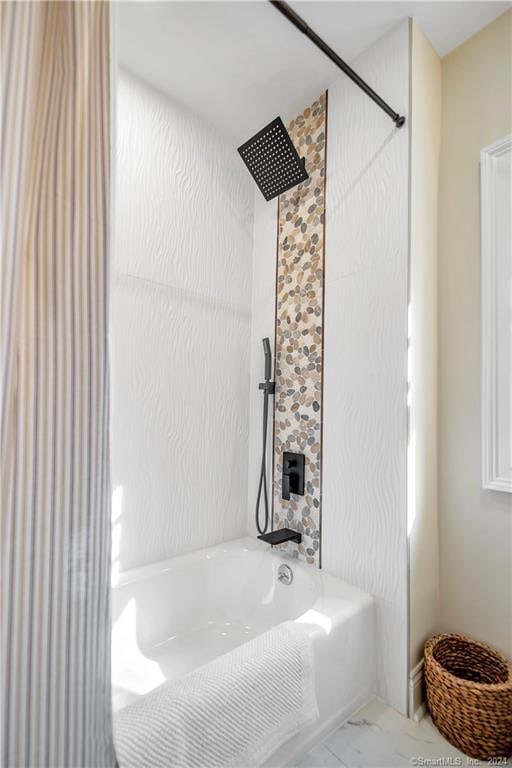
(285, 491)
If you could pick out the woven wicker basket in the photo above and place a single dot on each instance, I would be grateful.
(469, 693)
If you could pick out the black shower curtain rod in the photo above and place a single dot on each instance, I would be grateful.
(299, 22)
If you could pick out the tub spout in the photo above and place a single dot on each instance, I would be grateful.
(280, 536)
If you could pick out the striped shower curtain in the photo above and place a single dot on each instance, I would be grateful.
(55, 525)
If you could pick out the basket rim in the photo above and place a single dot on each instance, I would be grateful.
(435, 639)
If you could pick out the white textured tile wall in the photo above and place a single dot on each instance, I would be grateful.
(364, 517)
(262, 324)
(181, 294)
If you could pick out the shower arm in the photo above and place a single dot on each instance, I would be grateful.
(299, 22)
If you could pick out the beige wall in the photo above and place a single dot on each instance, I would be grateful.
(475, 525)
(422, 516)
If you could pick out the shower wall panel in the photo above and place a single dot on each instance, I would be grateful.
(366, 348)
(180, 331)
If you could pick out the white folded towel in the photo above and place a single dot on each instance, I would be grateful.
(234, 711)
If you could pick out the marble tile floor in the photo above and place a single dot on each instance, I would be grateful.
(379, 737)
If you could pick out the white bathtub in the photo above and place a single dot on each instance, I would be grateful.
(175, 615)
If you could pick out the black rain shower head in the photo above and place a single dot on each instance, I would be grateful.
(273, 161)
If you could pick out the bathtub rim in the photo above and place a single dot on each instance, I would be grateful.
(239, 545)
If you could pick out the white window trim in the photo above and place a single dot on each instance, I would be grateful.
(491, 478)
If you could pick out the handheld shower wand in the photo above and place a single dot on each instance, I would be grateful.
(268, 388)
(268, 359)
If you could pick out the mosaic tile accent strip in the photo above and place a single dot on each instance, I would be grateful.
(299, 334)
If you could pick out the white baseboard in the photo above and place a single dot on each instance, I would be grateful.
(417, 695)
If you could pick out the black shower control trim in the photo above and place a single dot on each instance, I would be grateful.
(280, 536)
(293, 474)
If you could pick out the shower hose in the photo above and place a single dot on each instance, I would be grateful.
(263, 471)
